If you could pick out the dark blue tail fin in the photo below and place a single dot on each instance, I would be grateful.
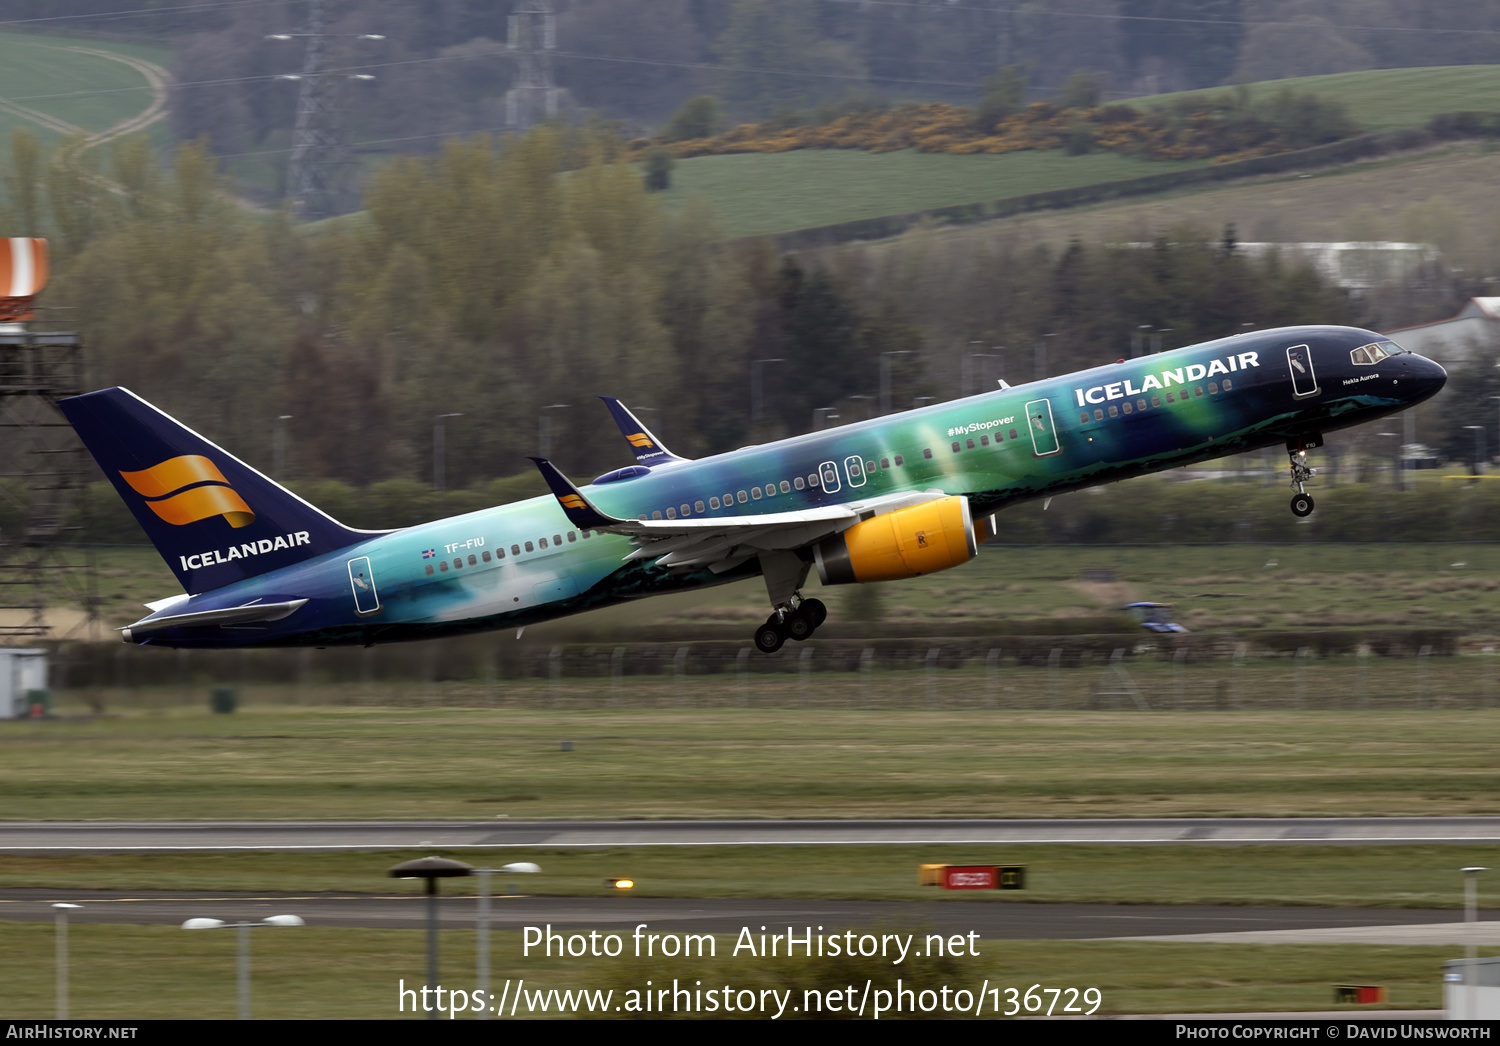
(214, 519)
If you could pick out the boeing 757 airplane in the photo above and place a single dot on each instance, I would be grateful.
(895, 497)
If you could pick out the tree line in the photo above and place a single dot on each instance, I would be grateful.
(496, 288)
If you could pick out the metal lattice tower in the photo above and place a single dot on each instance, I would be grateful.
(46, 465)
(533, 97)
(321, 163)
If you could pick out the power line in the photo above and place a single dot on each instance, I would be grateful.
(127, 13)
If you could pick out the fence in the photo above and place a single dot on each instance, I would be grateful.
(1210, 673)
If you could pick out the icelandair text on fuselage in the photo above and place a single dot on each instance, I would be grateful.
(1382, 1030)
(244, 551)
(1118, 390)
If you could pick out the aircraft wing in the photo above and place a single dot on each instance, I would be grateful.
(722, 542)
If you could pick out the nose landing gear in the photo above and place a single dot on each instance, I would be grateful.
(1296, 449)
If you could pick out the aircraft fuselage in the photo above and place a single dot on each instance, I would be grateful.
(517, 564)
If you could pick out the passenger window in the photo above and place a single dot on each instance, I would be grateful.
(742, 498)
(755, 493)
(499, 553)
(1197, 390)
(984, 441)
(530, 547)
(572, 537)
(429, 570)
(473, 560)
(1228, 385)
(1126, 407)
(698, 507)
(786, 488)
(1013, 434)
(927, 453)
(713, 502)
(1170, 399)
(654, 515)
(1083, 416)
(812, 479)
(443, 566)
(1140, 404)
(885, 463)
(684, 510)
(557, 539)
(1114, 411)
(1099, 414)
(1156, 401)
(587, 534)
(969, 443)
(1213, 389)
(770, 490)
(671, 513)
(458, 563)
(485, 556)
(900, 461)
(869, 467)
(541, 542)
(956, 446)
(798, 483)
(515, 550)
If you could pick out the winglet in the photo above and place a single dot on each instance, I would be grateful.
(648, 449)
(575, 506)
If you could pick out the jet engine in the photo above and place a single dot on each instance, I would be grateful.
(914, 541)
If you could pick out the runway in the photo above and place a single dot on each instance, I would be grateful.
(327, 836)
(991, 920)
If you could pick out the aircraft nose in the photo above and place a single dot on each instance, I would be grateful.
(1425, 377)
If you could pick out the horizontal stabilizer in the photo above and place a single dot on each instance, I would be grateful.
(648, 449)
(225, 616)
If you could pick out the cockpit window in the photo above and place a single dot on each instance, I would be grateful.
(1369, 355)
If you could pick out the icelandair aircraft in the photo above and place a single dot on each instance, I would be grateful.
(894, 497)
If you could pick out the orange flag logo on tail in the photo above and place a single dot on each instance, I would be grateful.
(162, 487)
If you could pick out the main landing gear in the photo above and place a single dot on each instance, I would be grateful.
(1302, 502)
(797, 622)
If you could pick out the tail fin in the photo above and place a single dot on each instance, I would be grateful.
(214, 519)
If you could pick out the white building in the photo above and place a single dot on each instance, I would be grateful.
(1475, 330)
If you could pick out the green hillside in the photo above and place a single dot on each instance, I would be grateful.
(49, 84)
(758, 193)
(1384, 99)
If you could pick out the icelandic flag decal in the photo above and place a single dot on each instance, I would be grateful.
(430, 553)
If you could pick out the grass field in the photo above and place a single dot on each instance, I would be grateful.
(1220, 586)
(761, 193)
(124, 972)
(1294, 875)
(476, 763)
(757, 193)
(1383, 99)
(51, 79)
(1439, 196)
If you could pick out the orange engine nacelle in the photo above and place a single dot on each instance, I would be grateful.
(914, 541)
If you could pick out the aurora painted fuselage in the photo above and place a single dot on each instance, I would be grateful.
(517, 564)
